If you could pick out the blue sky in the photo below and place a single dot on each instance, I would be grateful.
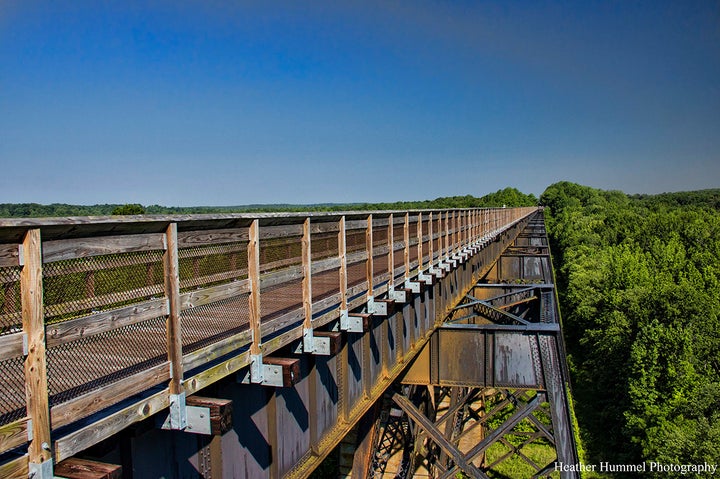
(226, 103)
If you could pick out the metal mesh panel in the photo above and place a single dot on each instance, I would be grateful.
(399, 241)
(277, 254)
(426, 241)
(213, 322)
(10, 304)
(380, 235)
(12, 393)
(77, 287)
(380, 264)
(324, 245)
(355, 240)
(326, 283)
(203, 266)
(81, 366)
(356, 273)
(413, 240)
(437, 230)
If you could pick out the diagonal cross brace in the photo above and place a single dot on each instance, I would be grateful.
(426, 425)
(521, 414)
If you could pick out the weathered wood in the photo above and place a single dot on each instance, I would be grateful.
(391, 249)
(76, 441)
(13, 435)
(11, 346)
(290, 369)
(97, 323)
(221, 411)
(342, 256)
(75, 468)
(406, 249)
(173, 329)
(212, 294)
(15, 468)
(36, 387)
(281, 276)
(59, 250)
(190, 239)
(99, 399)
(9, 255)
(369, 251)
(420, 243)
(307, 275)
(254, 277)
(320, 266)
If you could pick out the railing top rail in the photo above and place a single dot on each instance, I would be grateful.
(13, 229)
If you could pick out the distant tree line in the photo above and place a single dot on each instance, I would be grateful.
(506, 197)
(639, 285)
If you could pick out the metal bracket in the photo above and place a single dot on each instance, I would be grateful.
(398, 296)
(198, 419)
(308, 342)
(320, 346)
(344, 320)
(26, 345)
(43, 470)
(412, 286)
(178, 412)
(352, 324)
(256, 369)
(30, 430)
(260, 373)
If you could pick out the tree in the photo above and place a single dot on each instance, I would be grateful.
(129, 209)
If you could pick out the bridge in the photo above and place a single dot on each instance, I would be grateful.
(252, 345)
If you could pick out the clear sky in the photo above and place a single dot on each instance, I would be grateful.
(184, 103)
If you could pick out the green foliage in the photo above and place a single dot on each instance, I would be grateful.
(509, 197)
(639, 279)
(129, 209)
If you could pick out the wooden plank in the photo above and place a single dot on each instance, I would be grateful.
(190, 239)
(13, 435)
(275, 278)
(320, 266)
(36, 387)
(420, 243)
(369, 251)
(63, 249)
(75, 468)
(97, 323)
(391, 249)
(254, 277)
(99, 399)
(11, 346)
(406, 249)
(307, 275)
(15, 468)
(173, 329)
(221, 411)
(342, 256)
(77, 441)
(201, 297)
(9, 255)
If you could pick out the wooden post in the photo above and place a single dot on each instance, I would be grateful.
(406, 250)
(342, 253)
(172, 325)
(254, 277)
(36, 388)
(430, 233)
(447, 235)
(419, 229)
(391, 252)
(369, 250)
(308, 342)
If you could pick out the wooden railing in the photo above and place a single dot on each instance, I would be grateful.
(96, 310)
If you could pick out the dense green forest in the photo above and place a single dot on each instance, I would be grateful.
(505, 197)
(639, 284)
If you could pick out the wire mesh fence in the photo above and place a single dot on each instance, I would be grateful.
(12, 392)
(10, 305)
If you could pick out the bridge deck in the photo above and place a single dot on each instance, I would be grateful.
(107, 309)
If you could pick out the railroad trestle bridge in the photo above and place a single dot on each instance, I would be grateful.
(251, 345)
